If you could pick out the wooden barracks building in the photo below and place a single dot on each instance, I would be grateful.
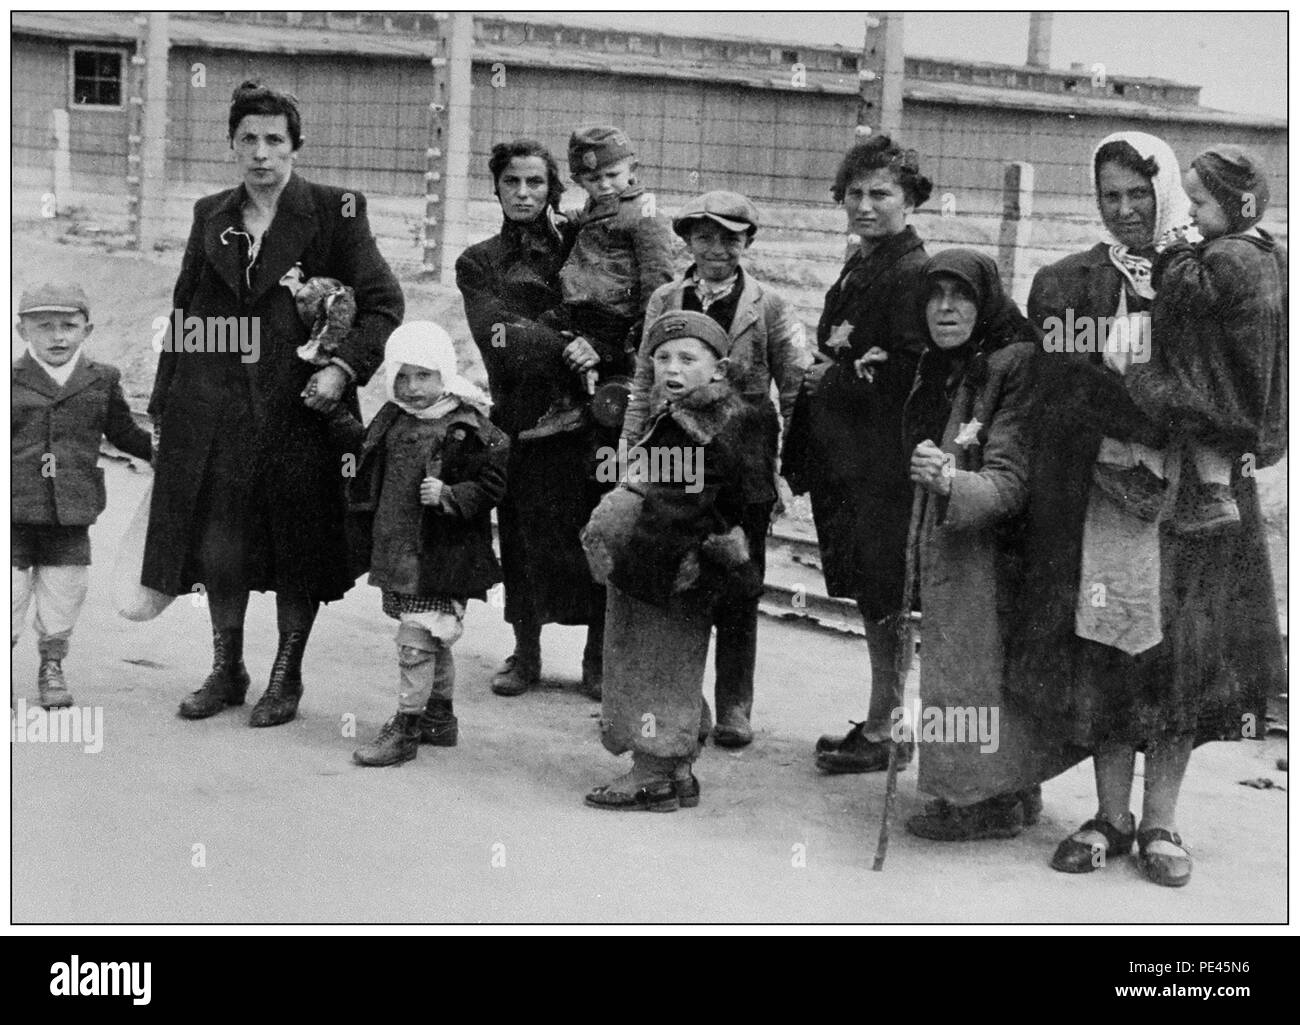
(705, 112)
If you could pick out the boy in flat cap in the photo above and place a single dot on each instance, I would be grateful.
(62, 405)
(1219, 328)
(766, 348)
(621, 253)
(668, 543)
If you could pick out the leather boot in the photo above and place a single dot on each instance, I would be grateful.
(279, 704)
(522, 670)
(593, 670)
(228, 682)
(438, 726)
(50, 683)
(398, 741)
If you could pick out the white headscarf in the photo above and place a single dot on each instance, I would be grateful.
(423, 343)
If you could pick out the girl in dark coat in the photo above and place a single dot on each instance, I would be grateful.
(248, 494)
(1131, 636)
(508, 283)
(845, 442)
(432, 466)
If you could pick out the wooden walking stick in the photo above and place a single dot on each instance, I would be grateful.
(903, 663)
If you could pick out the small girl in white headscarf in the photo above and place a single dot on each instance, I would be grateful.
(431, 467)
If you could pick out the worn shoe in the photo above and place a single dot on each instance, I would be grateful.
(994, 819)
(519, 674)
(863, 755)
(228, 682)
(398, 741)
(1164, 869)
(438, 726)
(279, 703)
(1031, 802)
(688, 791)
(51, 685)
(658, 795)
(1077, 855)
(733, 729)
(831, 742)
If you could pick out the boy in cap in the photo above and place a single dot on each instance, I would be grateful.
(668, 542)
(62, 405)
(621, 253)
(766, 347)
(1220, 315)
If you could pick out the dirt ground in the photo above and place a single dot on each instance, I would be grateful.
(495, 829)
(288, 830)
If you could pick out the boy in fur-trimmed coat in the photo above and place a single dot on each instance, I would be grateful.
(668, 542)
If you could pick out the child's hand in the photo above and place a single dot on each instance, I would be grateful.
(865, 365)
(430, 491)
(579, 355)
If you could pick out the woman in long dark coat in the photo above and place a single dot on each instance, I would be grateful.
(1131, 636)
(508, 283)
(845, 443)
(249, 493)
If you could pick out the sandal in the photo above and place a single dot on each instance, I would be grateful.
(1165, 869)
(1078, 856)
(657, 795)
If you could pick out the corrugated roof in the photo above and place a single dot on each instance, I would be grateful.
(120, 28)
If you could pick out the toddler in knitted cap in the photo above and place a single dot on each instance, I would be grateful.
(1218, 306)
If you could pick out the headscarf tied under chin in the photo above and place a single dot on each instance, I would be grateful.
(1172, 206)
(423, 343)
(998, 323)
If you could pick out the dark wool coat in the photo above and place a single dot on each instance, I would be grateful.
(453, 547)
(1222, 649)
(508, 282)
(241, 427)
(65, 424)
(1220, 368)
(845, 443)
(673, 522)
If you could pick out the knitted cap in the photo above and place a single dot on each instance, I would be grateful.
(687, 324)
(1236, 178)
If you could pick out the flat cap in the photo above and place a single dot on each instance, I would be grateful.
(688, 324)
(54, 297)
(729, 209)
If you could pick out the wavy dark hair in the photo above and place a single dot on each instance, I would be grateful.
(251, 97)
(1117, 151)
(504, 152)
(880, 151)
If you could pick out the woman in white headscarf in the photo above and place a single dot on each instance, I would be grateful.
(432, 467)
(1129, 636)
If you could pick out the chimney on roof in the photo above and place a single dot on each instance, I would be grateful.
(1040, 39)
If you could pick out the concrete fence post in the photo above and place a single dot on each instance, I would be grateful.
(1013, 237)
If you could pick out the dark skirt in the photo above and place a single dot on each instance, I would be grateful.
(862, 535)
(1208, 679)
(549, 498)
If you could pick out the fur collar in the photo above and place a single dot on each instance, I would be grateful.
(701, 412)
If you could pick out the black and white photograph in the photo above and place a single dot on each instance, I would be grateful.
(741, 470)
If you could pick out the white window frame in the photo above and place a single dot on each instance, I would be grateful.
(122, 53)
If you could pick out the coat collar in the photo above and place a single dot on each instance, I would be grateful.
(748, 306)
(701, 412)
(884, 255)
(28, 372)
(294, 224)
